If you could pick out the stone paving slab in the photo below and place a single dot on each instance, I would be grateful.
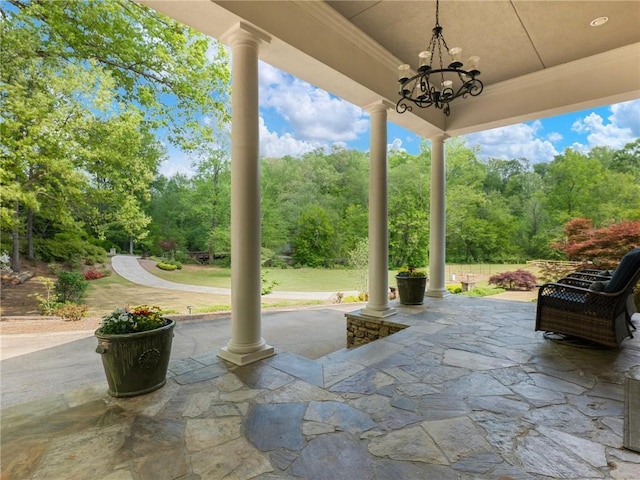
(451, 397)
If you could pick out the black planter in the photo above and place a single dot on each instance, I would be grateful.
(411, 289)
(136, 363)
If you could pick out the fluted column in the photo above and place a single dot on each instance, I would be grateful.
(437, 220)
(246, 344)
(378, 303)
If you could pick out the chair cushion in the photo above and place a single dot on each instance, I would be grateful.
(628, 266)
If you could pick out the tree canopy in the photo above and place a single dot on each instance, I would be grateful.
(90, 92)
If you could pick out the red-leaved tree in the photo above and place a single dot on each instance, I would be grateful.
(516, 280)
(603, 246)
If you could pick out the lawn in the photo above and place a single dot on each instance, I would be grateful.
(105, 294)
(109, 292)
(288, 279)
(320, 279)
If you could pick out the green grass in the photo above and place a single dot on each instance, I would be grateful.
(264, 305)
(316, 279)
(288, 279)
(106, 293)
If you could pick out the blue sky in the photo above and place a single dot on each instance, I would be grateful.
(296, 118)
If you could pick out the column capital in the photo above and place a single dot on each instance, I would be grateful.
(439, 138)
(381, 105)
(242, 32)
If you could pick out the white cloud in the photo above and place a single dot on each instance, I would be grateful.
(515, 141)
(622, 127)
(176, 161)
(313, 114)
(274, 145)
(396, 146)
(554, 137)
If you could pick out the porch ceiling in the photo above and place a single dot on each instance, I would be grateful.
(538, 58)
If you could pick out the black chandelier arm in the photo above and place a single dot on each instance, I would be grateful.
(426, 92)
(472, 87)
(469, 73)
(402, 106)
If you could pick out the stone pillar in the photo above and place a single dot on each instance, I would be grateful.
(437, 217)
(246, 344)
(378, 303)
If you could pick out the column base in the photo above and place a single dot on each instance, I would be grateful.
(378, 313)
(437, 293)
(246, 358)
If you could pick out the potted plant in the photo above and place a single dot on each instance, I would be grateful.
(135, 346)
(412, 282)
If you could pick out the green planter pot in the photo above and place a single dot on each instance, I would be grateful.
(136, 363)
(411, 289)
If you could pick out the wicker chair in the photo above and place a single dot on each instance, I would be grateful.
(588, 277)
(591, 309)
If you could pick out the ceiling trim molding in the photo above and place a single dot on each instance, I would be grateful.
(326, 15)
(628, 55)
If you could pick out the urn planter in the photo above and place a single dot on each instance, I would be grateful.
(136, 363)
(411, 289)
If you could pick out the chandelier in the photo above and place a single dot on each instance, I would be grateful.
(437, 83)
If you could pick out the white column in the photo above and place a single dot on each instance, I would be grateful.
(378, 303)
(437, 220)
(246, 344)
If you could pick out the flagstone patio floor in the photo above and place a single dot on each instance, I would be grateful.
(468, 391)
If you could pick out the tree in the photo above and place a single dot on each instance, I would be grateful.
(314, 239)
(577, 185)
(627, 159)
(603, 246)
(211, 197)
(409, 178)
(71, 73)
(149, 56)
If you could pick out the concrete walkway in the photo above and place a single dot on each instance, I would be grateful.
(128, 267)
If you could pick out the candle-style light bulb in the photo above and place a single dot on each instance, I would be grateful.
(425, 60)
(403, 72)
(473, 63)
(456, 53)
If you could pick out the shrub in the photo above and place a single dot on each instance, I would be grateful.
(54, 268)
(66, 247)
(361, 297)
(266, 284)
(455, 289)
(516, 280)
(72, 311)
(483, 291)
(71, 287)
(5, 262)
(47, 303)
(93, 274)
(166, 266)
(174, 263)
(552, 272)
